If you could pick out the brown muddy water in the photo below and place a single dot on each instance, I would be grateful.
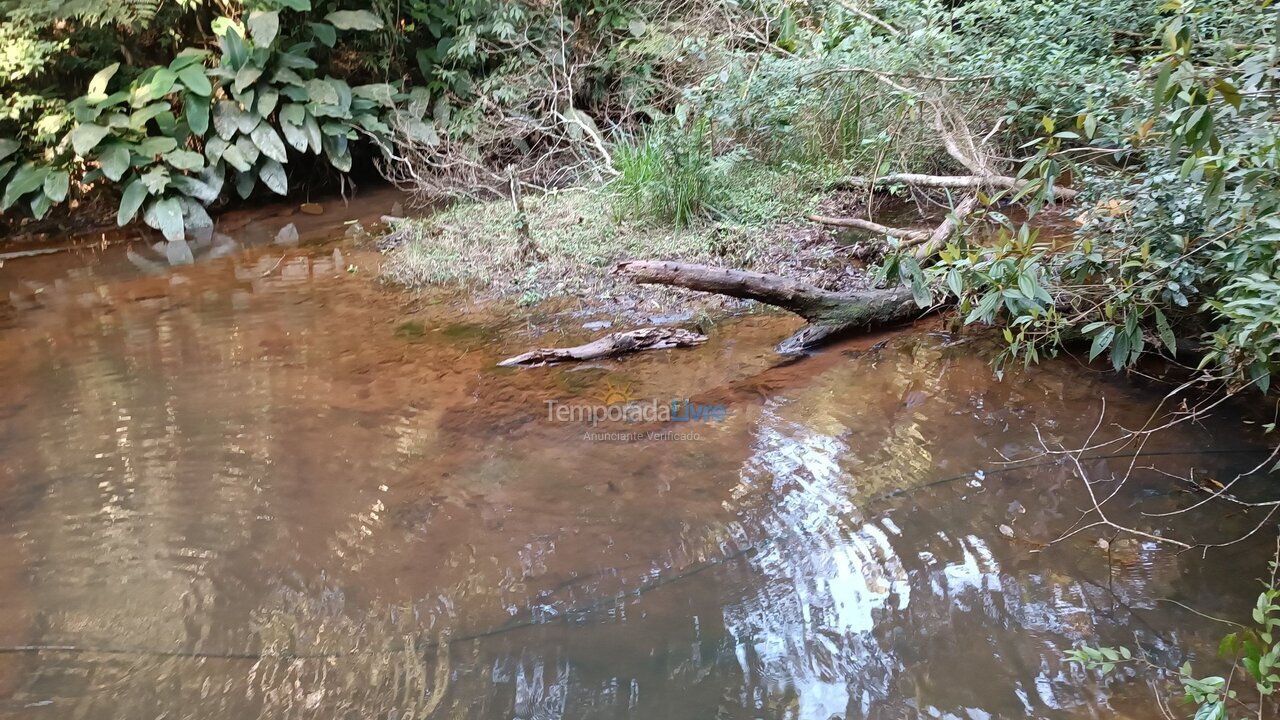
(260, 485)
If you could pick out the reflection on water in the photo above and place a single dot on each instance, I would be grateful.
(240, 488)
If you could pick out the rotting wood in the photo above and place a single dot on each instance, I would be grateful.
(830, 314)
(650, 338)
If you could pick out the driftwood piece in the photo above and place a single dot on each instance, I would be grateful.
(1061, 194)
(830, 314)
(650, 338)
(911, 236)
(947, 228)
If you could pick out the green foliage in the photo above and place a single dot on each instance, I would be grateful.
(1254, 650)
(1177, 153)
(173, 135)
(668, 176)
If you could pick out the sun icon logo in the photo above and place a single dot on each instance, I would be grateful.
(615, 394)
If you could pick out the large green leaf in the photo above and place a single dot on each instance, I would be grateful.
(325, 33)
(236, 159)
(245, 182)
(8, 146)
(267, 101)
(273, 176)
(114, 161)
(295, 93)
(156, 179)
(248, 149)
(194, 215)
(161, 83)
(293, 114)
(28, 177)
(140, 118)
(294, 61)
(354, 20)
(98, 84)
(195, 80)
(246, 76)
(196, 110)
(205, 187)
(134, 193)
(56, 184)
(40, 205)
(234, 52)
(295, 135)
(335, 147)
(156, 146)
(321, 92)
(380, 93)
(314, 136)
(213, 149)
(263, 26)
(166, 216)
(86, 137)
(187, 58)
(247, 121)
(265, 137)
(226, 119)
(184, 160)
(285, 76)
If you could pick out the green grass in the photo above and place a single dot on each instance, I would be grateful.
(666, 204)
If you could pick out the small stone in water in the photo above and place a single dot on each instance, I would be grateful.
(312, 208)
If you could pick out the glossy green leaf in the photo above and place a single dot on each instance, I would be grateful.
(27, 178)
(273, 176)
(195, 80)
(98, 84)
(184, 159)
(263, 26)
(8, 146)
(84, 138)
(267, 101)
(165, 215)
(226, 118)
(265, 137)
(156, 180)
(114, 161)
(325, 33)
(236, 159)
(56, 184)
(156, 146)
(354, 20)
(246, 76)
(321, 92)
(195, 110)
(134, 193)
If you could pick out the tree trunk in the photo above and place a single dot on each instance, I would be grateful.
(830, 314)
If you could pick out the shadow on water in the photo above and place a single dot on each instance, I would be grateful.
(261, 486)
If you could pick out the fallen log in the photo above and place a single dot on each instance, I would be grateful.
(830, 314)
(949, 181)
(912, 236)
(649, 338)
(947, 228)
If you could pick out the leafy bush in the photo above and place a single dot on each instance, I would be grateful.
(173, 135)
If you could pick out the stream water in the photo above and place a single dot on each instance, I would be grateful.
(261, 485)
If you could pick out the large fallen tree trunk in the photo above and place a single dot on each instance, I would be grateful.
(949, 181)
(613, 344)
(830, 314)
